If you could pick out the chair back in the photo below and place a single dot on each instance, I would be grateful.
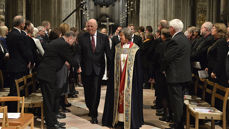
(3, 110)
(21, 86)
(29, 84)
(15, 99)
(221, 93)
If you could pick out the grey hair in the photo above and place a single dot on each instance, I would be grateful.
(127, 33)
(70, 34)
(40, 28)
(18, 20)
(208, 25)
(177, 24)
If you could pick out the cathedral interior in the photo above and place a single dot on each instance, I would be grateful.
(114, 13)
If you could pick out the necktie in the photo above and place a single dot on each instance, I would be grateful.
(93, 43)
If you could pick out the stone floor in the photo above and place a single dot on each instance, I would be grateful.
(78, 119)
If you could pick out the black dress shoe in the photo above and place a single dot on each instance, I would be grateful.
(159, 113)
(68, 105)
(94, 120)
(60, 116)
(165, 118)
(56, 126)
(61, 124)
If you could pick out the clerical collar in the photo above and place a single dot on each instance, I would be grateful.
(17, 29)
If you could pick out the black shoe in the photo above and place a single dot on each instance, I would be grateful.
(159, 113)
(56, 126)
(73, 96)
(61, 124)
(60, 116)
(165, 118)
(68, 105)
(172, 125)
(94, 120)
(155, 107)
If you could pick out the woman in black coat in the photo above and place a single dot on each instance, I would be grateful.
(216, 55)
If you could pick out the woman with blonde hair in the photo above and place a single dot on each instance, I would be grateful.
(217, 53)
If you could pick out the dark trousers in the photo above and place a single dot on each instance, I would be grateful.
(92, 89)
(176, 97)
(50, 96)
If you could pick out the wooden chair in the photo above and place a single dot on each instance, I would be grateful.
(213, 114)
(3, 110)
(31, 100)
(24, 120)
(3, 91)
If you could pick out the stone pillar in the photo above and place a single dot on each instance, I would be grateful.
(152, 11)
(13, 8)
(67, 7)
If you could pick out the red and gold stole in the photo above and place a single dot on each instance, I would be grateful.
(122, 82)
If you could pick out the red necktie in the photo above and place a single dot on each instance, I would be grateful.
(93, 43)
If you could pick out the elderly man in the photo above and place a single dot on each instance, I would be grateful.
(93, 46)
(178, 69)
(199, 52)
(58, 51)
(20, 56)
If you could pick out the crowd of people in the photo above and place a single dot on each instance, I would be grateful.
(131, 60)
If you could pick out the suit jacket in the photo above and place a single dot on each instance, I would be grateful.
(94, 62)
(200, 51)
(2, 55)
(115, 40)
(227, 66)
(20, 55)
(58, 51)
(216, 59)
(137, 40)
(177, 59)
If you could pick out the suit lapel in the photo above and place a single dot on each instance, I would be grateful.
(98, 40)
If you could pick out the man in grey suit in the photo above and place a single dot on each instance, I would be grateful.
(178, 69)
(93, 46)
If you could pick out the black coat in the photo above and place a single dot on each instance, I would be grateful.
(20, 54)
(115, 40)
(2, 55)
(58, 51)
(177, 59)
(199, 52)
(216, 59)
(94, 62)
(137, 40)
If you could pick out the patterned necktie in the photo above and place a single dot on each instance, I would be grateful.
(93, 43)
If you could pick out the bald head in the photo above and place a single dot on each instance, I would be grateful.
(92, 26)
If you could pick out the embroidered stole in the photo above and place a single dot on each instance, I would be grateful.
(123, 83)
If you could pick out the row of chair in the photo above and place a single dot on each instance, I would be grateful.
(200, 109)
(22, 122)
(33, 98)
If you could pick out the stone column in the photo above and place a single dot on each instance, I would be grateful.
(13, 8)
(152, 11)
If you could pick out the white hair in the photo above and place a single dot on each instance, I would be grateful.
(35, 31)
(177, 24)
(208, 26)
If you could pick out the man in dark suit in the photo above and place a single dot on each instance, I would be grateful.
(58, 51)
(93, 46)
(20, 57)
(135, 38)
(177, 69)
